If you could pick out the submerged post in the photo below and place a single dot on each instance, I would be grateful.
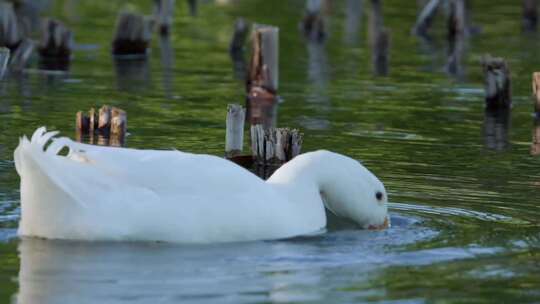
(497, 83)
(530, 15)
(234, 140)
(264, 66)
(380, 39)
(132, 36)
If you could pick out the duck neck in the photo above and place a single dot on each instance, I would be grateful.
(300, 180)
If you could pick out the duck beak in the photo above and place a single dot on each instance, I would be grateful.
(384, 225)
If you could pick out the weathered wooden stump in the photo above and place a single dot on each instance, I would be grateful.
(313, 24)
(163, 15)
(108, 126)
(56, 40)
(274, 146)
(234, 140)
(530, 15)
(536, 92)
(132, 36)
(497, 83)
(535, 146)
(425, 18)
(10, 35)
(264, 64)
(4, 58)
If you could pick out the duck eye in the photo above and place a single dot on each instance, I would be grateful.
(379, 195)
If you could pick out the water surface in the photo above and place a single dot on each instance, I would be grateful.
(463, 187)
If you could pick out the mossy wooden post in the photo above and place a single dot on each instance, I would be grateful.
(163, 15)
(234, 138)
(4, 58)
(497, 83)
(238, 40)
(132, 35)
(536, 93)
(313, 23)
(10, 35)
(530, 15)
(425, 18)
(264, 66)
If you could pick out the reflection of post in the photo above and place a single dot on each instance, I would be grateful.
(313, 24)
(167, 64)
(262, 111)
(353, 20)
(530, 15)
(535, 147)
(236, 48)
(536, 92)
(380, 39)
(457, 27)
(192, 7)
(163, 15)
(318, 74)
(496, 128)
(425, 18)
(132, 74)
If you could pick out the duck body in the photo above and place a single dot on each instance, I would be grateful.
(118, 194)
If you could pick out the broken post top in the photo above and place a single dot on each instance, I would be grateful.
(264, 67)
(133, 34)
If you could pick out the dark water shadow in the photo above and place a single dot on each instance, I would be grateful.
(132, 74)
(496, 129)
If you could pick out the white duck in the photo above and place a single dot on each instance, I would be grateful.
(105, 193)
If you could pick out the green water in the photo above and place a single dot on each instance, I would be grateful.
(466, 214)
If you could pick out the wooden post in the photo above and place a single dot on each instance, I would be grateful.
(536, 92)
(82, 122)
(163, 15)
(425, 18)
(530, 15)
(497, 83)
(10, 35)
(4, 58)
(118, 122)
(132, 35)
(56, 40)
(313, 23)
(104, 123)
(239, 37)
(234, 140)
(274, 146)
(264, 66)
(94, 120)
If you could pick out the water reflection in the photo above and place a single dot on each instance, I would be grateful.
(262, 111)
(496, 129)
(132, 74)
(167, 63)
(353, 20)
(535, 146)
